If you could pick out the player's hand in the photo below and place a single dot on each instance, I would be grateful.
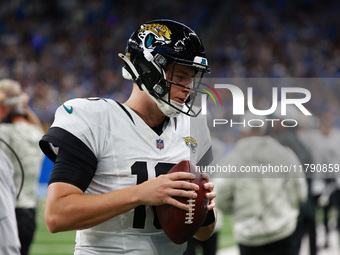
(211, 193)
(162, 189)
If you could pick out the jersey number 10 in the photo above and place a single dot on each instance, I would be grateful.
(139, 168)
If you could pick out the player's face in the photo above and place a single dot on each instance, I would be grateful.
(182, 76)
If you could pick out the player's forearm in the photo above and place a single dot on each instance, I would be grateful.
(67, 208)
(79, 211)
(205, 232)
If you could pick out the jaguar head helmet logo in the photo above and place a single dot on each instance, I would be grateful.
(154, 34)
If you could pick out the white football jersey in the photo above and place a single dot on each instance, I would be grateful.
(129, 152)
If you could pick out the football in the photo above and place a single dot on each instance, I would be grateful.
(179, 225)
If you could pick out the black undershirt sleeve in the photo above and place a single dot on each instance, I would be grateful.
(61, 138)
(210, 219)
(73, 170)
(75, 163)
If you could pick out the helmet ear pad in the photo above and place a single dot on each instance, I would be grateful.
(152, 76)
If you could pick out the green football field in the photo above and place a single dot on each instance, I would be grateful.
(48, 243)
(63, 243)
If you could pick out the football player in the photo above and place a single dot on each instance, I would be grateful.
(111, 159)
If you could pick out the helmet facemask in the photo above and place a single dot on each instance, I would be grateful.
(187, 107)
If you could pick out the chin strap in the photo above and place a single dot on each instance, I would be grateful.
(162, 106)
(133, 75)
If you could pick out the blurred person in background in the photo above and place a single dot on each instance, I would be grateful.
(264, 210)
(290, 137)
(330, 196)
(9, 241)
(323, 142)
(21, 129)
